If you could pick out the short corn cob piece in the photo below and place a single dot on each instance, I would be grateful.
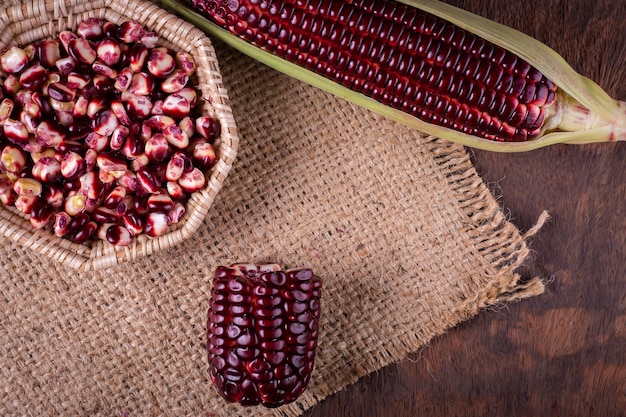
(422, 62)
(262, 332)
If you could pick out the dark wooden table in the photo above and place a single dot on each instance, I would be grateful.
(562, 353)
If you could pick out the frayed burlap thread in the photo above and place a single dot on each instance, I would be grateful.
(408, 239)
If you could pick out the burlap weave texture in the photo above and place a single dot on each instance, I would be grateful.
(406, 236)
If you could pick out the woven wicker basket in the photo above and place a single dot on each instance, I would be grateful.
(35, 20)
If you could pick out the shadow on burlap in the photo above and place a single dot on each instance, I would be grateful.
(406, 236)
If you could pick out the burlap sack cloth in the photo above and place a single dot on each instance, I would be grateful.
(404, 232)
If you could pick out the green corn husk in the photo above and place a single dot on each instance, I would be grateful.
(583, 112)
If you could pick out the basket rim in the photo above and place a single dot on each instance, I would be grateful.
(36, 19)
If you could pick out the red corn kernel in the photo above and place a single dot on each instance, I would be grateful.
(149, 39)
(47, 169)
(53, 195)
(81, 50)
(104, 215)
(203, 154)
(85, 232)
(120, 112)
(185, 62)
(103, 69)
(101, 231)
(72, 165)
(49, 52)
(112, 163)
(78, 80)
(128, 181)
(50, 78)
(190, 94)
(106, 177)
(13, 60)
(177, 106)
(208, 127)
(130, 32)
(50, 134)
(104, 122)
(33, 109)
(69, 146)
(32, 52)
(75, 204)
(159, 122)
(126, 203)
(90, 28)
(96, 105)
(157, 148)
(65, 118)
(109, 51)
(97, 142)
(62, 222)
(91, 186)
(15, 131)
(157, 108)
(90, 159)
(41, 214)
(148, 181)
(29, 122)
(115, 197)
(103, 86)
(192, 181)
(123, 79)
(155, 224)
(80, 107)
(25, 203)
(139, 162)
(118, 137)
(118, 235)
(11, 85)
(137, 106)
(33, 77)
(138, 56)
(175, 82)
(65, 65)
(160, 203)
(188, 126)
(177, 213)
(6, 108)
(141, 84)
(109, 29)
(133, 221)
(61, 92)
(176, 191)
(12, 159)
(133, 147)
(176, 137)
(8, 198)
(27, 187)
(160, 63)
(63, 106)
(77, 221)
(176, 166)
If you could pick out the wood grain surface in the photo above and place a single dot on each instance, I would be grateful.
(562, 353)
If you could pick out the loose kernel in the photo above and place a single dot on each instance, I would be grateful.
(75, 204)
(13, 159)
(27, 187)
